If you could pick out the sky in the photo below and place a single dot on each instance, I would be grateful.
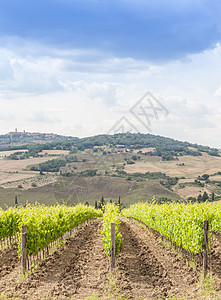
(86, 67)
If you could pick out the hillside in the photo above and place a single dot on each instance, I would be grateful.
(18, 138)
(167, 148)
(134, 167)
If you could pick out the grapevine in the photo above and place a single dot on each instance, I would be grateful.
(180, 223)
(44, 224)
(111, 215)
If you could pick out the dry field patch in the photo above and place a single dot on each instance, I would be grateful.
(216, 178)
(14, 170)
(150, 149)
(9, 152)
(55, 152)
(193, 191)
(27, 182)
(193, 166)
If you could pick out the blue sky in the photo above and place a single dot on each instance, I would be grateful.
(152, 30)
(78, 66)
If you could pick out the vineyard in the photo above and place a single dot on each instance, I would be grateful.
(180, 223)
(75, 263)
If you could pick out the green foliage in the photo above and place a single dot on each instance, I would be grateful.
(168, 181)
(85, 173)
(111, 215)
(203, 177)
(214, 152)
(162, 200)
(166, 148)
(197, 182)
(9, 222)
(44, 224)
(180, 223)
(54, 165)
(135, 157)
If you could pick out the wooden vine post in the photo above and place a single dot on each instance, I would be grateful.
(113, 246)
(23, 249)
(206, 251)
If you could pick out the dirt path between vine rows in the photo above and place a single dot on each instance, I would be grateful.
(75, 270)
(153, 271)
(145, 269)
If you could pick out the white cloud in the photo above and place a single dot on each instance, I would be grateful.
(42, 117)
(59, 91)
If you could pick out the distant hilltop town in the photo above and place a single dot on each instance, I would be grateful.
(35, 134)
(16, 138)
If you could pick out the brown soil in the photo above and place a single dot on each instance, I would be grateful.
(76, 270)
(145, 269)
(193, 166)
(215, 261)
(153, 272)
(8, 261)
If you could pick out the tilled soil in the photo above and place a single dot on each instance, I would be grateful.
(215, 262)
(8, 261)
(145, 269)
(76, 270)
(153, 272)
(9, 267)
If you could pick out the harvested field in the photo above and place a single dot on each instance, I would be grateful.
(9, 152)
(216, 178)
(14, 170)
(55, 152)
(193, 191)
(27, 182)
(145, 150)
(193, 166)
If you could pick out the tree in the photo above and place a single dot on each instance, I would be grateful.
(16, 200)
(134, 157)
(102, 203)
(199, 198)
(205, 197)
(119, 203)
(205, 176)
(95, 205)
(212, 196)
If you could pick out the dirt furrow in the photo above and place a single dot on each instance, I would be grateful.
(145, 269)
(147, 277)
(8, 260)
(76, 270)
(152, 266)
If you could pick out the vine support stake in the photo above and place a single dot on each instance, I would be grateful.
(23, 249)
(113, 246)
(206, 251)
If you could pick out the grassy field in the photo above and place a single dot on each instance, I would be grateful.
(79, 190)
